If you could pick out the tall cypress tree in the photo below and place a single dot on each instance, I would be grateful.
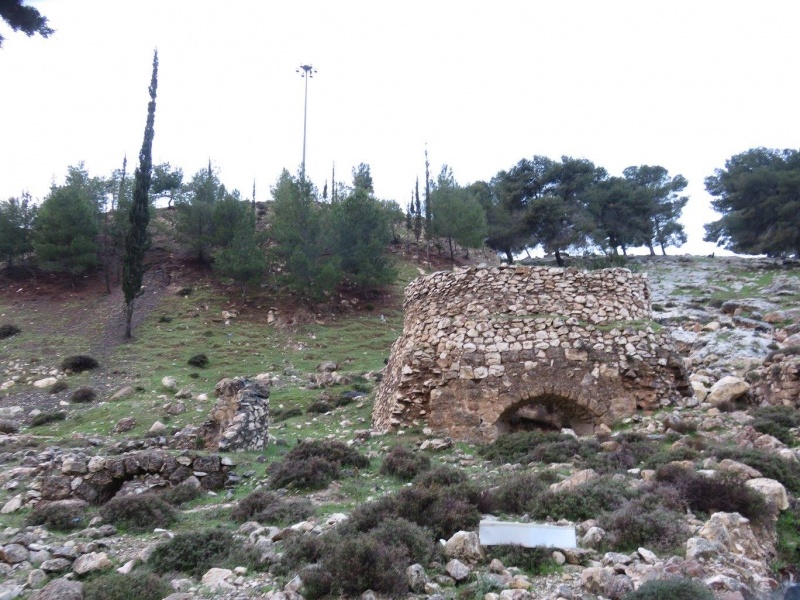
(136, 239)
(428, 215)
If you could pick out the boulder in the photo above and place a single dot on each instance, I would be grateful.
(217, 579)
(417, 578)
(44, 383)
(93, 561)
(464, 545)
(727, 389)
(574, 481)
(457, 570)
(772, 490)
(60, 589)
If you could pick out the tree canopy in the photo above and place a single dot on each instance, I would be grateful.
(758, 195)
(23, 18)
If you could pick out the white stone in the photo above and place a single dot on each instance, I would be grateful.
(773, 491)
(12, 505)
(46, 382)
(727, 389)
(216, 578)
(169, 382)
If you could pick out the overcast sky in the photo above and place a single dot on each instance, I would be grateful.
(683, 84)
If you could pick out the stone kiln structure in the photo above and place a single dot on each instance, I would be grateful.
(486, 351)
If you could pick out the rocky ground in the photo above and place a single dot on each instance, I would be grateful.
(735, 321)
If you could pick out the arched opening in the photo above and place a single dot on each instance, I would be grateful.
(546, 413)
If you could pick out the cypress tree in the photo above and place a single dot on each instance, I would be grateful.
(428, 215)
(417, 213)
(139, 214)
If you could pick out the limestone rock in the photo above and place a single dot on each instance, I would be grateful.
(121, 393)
(44, 383)
(457, 570)
(169, 382)
(417, 578)
(13, 553)
(93, 561)
(574, 481)
(773, 491)
(727, 389)
(60, 589)
(12, 505)
(217, 578)
(464, 545)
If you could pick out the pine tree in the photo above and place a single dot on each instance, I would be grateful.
(136, 239)
(16, 227)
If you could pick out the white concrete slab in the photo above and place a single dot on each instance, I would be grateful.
(527, 535)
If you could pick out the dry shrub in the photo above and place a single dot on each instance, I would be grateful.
(196, 552)
(79, 363)
(139, 513)
(83, 395)
(198, 360)
(8, 330)
(404, 464)
(61, 516)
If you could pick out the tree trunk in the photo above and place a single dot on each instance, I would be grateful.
(624, 252)
(559, 260)
(650, 246)
(509, 256)
(450, 243)
(128, 319)
(663, 250)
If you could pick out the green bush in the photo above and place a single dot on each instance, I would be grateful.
(196, 552)
(538, 446)
(713, 494)
(534, 561)
(663, 457)
(404, 464)
(83, 395)
(138, 585)
(641, 522)
(180, 494)
(516, 494)
(139, 513)
(417, 541)
(331, 450)
(79, 363)
(58, 387)
(444, 510)
(198, 360)
(777, 421)
(61, 516)
(270, 509)
(443, 476)
(7, 330)
(582, 502)
(671, 589)
(48, 417)
(788, 544)
(279, 414)
(307, 474)
(319, 407)
(769, 465)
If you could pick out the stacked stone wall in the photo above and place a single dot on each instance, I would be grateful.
(486, 350)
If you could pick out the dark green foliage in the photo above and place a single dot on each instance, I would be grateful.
(443, 510)
(788, 544)
(24, 18)
(198, 360)
(516, 494)
(671, 589)
(66, 226)
(8, 330)
(538, 446)
(457, 215)
(583, 502)
(239, 255)
(48, 417)
(758, 195)
(305, 474)
(180, 494)
(663, 457)
(195, 223)
(418, 541)
(777, 421)
(164, 319)
(61, 516)
(534, 561)
(769, 465)
(331, 450)
(443, 475)
(83, 395)
(136, 238)
(633, 450)
(8, 426)
(713, 494)
(653, 520)
(139, 585)
(319, 407)
(79, 363)
(270, 509)
(58, 387)
(138, 513)
(196, 552)
(281, 414)
(404, 464)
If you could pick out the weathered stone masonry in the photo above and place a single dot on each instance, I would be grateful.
(490, 350)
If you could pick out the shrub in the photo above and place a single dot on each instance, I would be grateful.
(713, 494)
(83, 395)
(164, 319)
(300, 550)
(48, 417)
(663, 457)
(312, 473)
(7, 330)
(180, 494)
(538, 446)
(9, 426)
(319, 407)
(270, 509)
(671, 589)
(364, 562)
(195, 552)
(330, 450)
(139, 513)
(79, 363)
(770, 465)
(278, 414)
(582, 502)
(135, 586)
(638, 523)
(198, 360)
(441, 509)
(788, 542)
(59, 386)
(442, 475)
(404, 464)
(777, 421)
(418, 541)
(534, 561)
(516, 494)
(61, 516)
(633, 450)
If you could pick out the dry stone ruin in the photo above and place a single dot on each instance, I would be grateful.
(485, 351)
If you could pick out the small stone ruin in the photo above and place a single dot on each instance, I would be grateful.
(240, 418)
(486, 351)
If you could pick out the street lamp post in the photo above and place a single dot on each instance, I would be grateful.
(305, 71)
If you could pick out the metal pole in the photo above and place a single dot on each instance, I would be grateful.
(305, 71)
